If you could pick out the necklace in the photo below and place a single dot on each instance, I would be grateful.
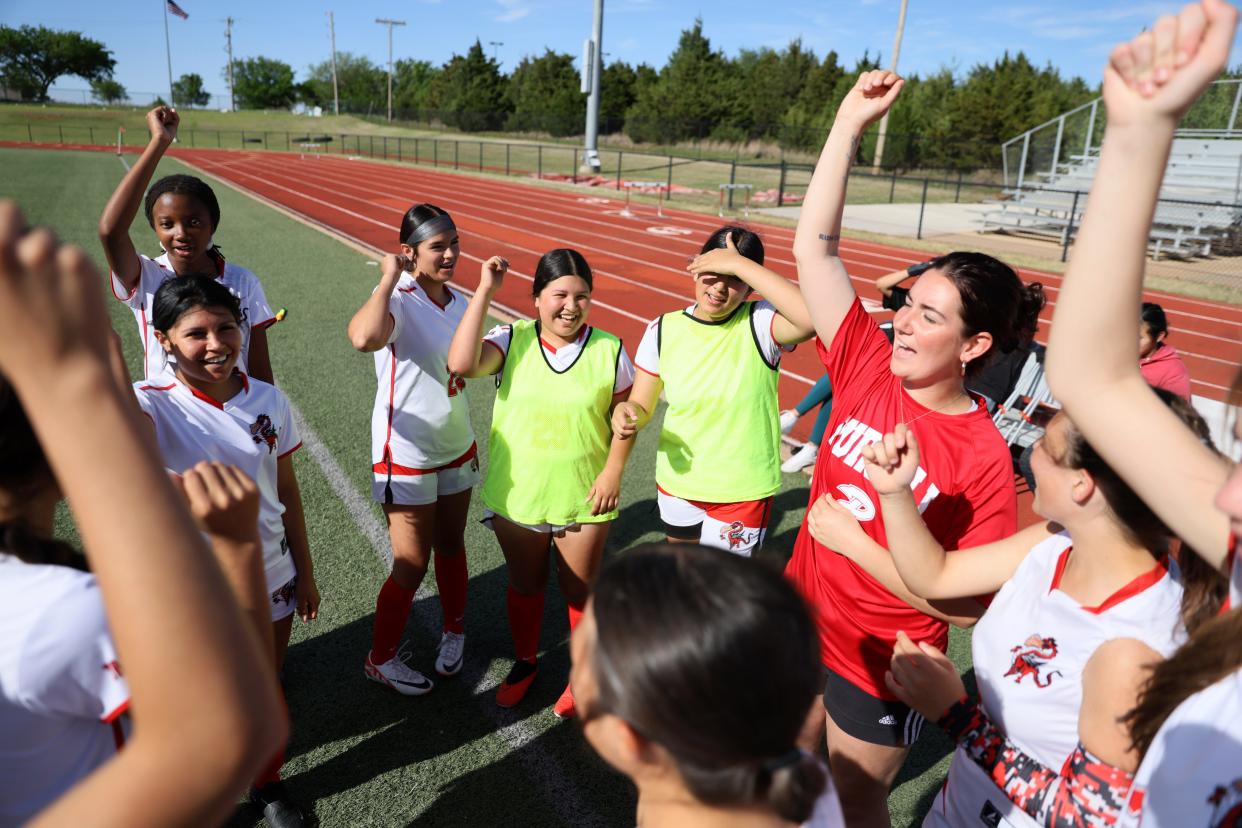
(901, 403)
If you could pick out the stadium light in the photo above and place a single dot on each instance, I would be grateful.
(384, 21)
(592, 66)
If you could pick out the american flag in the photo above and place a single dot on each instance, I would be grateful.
(177, 10)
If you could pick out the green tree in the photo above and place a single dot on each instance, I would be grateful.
(33, 57)
(108, 91)
(188, 90)
(616, 94)
(689, 96)
(412, 84)
(361, 85)
(546, 97)
(470, 91)
(807, 120)
(263, 83)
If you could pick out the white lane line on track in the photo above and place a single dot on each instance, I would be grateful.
(516, 733)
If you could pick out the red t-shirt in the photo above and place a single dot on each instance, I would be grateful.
(964, 487)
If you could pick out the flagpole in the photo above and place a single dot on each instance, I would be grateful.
(168, 51)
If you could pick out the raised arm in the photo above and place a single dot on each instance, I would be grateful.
(201, 734)
(119, 213)
(1092, 359)
(372, 325)
(822, 277)
(792, 323)
(467, 357)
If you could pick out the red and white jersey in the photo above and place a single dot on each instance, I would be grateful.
(1029, 651)
(152, 273)
(647, 357)
(251, 431)
(420, 420)
(1191, 776)
(562, 359)
(61, 692)
(964, 487)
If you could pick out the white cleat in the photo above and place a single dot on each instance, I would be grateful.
(398, 675)
(800, 459)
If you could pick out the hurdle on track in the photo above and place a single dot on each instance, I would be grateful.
(749, 188)
(646, 187)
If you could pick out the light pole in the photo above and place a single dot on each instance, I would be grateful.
(384, 21)
(336, 94)
(594, 62)
(879, 141)
(228, 37)
(495, 44)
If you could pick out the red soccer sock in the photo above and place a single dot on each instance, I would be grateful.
(392, 609)
(575, 614)
(270, 774)
(525, 621)
(452, 578)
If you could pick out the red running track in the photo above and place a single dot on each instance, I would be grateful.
(639, 273)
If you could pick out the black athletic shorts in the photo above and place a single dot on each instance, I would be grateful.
(865, 717)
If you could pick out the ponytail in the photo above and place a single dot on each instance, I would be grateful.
(1211, 654)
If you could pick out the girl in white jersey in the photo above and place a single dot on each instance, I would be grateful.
(1188, 721)
(1086, 601)
(664, 624)
(184, 213)
(69, 429)
(207, 409)
(424, 459)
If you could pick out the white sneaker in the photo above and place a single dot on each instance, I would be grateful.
(398, 675)
(800, 459)
(452, 649)
(788, 420)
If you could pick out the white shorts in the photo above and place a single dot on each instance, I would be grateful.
(556, 530)
(284, 601)
(397, 485)
(734, 527)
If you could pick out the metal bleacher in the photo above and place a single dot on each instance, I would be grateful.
(1049, 169)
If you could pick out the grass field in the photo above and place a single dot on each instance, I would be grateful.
(360, 754)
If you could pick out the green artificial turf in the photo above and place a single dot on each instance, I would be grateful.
(360, 754)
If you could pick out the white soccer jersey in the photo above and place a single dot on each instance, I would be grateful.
(647, 357)
(562, 358)
(251, 431)
(1191, 776)
(61, 692)
(1029, 652)
(420, 420)
(243, 284)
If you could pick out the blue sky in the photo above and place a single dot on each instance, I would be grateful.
(1072, 34)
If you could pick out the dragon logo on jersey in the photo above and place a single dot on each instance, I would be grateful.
(735, 533)
(1030, 657)
(1226, 802)
(262, 431)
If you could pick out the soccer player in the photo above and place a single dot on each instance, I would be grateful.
(962, 309)
(68, 430)
(207, 409)
(424, 458)
(184, 213)
(1187, 724)
(665, 626)
(1085, 604)
(717, 363)
(554, 470)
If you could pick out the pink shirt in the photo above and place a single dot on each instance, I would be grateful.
(1165, 369)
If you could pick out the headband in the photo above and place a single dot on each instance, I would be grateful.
(427, 229)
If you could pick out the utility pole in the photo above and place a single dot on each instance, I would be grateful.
(228, 38)
(384, 21)
(336, 94)
(593, 62)
(495, 44)
(879, 141)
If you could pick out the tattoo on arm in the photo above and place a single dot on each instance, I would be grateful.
(828, 238)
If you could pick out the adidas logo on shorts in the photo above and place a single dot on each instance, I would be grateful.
(889, 720)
